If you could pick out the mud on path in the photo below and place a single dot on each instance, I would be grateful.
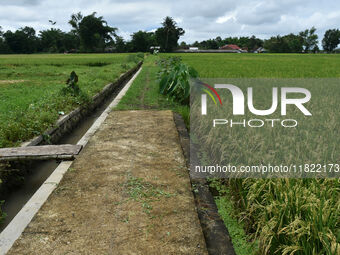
(127, 193)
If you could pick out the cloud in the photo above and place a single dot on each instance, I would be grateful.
(201, 19)
(20, 2)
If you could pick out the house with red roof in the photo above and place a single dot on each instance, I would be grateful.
(230, 47)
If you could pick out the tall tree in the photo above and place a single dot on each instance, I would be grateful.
(276, 44)
(219, 41)
(253, 43)
(310, 39)
(183, 45)
(119, 44)
(294, 43)
(71, 41)
(74, 22)
(94, 33)
(22, 40)
(285, 44)
(52, 40)
(142, 41)
(3, 45)
(168, 35)
(331, 40)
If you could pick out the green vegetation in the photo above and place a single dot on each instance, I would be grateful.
(285, 216)
(31, 89)
(217, 65)
(251, 43)
(34, 91)
(144, 93)
(93, 32)
(175, 79)
(168, 35)
(290, 216)
(241, 242)
(89, 33)
(305, 41)
(144, 192)
(2, 214)
(331, 40)
(280, 216)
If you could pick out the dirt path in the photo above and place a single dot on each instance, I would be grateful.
(127, 193)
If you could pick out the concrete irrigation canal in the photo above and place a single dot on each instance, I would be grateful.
(127, 192)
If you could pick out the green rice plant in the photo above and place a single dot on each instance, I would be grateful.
(285, 216)
(217, 65)
(291, 216)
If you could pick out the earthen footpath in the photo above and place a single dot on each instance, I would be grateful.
(128, 192)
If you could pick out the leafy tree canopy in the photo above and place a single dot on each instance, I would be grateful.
(168, 35)
(331, 40)
(142, 41)
(94, 33)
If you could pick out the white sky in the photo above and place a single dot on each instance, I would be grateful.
(201, 19)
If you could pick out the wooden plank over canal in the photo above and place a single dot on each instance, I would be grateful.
(64, 151)
(128, 192)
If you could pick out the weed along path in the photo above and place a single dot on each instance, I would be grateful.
(128, 192)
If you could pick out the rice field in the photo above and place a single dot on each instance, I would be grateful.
(30, 88)
(280, 215)
(216, 65)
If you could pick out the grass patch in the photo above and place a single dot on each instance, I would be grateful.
(236, 230)
(31, 92)
(31, 105)
(144, 192)
(144, 93)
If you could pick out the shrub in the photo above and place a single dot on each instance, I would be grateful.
(174, 79)
(74, 90)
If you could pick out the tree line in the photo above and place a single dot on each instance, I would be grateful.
(89, 33)
(305, 41)
(92, 33)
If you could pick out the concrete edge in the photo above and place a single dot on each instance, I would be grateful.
(14, 229)
(67, 123)
(83, 141)
(217, 238)
(18, 224)
(70, 120)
